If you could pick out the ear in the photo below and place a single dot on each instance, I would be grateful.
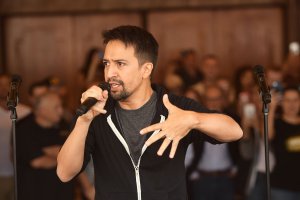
(147, 69)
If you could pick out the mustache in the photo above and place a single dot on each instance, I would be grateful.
(115, 80)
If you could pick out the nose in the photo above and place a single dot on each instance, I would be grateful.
(110, 71)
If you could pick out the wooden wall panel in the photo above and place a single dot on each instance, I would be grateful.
(41, 46)
(77, 6)
(88, 31)
(38, 47)
(237, 36)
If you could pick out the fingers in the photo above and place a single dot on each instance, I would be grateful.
(174, 148)
(154, 138)
(167, 141)
(99, 108)
(151, 128)
(167, 103)
(164, 146)
(96, 93)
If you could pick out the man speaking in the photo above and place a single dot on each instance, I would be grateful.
(136, 134)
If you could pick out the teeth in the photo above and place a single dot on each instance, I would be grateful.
(114, 85)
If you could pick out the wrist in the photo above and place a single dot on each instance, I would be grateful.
(194, 119)
(82, 120)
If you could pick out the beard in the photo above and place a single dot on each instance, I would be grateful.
(120, 95)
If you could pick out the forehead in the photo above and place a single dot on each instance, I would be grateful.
(50, 100)
(291, 94)
(116, 49)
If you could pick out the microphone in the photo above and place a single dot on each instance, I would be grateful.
(263, 87)
(90, 101)
(12, 98)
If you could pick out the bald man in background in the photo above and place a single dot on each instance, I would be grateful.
(38, 140)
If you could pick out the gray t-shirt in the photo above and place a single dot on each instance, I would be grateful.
(132, 121)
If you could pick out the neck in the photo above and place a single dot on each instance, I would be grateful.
(138, 98)
(291, 119)
(42, 122)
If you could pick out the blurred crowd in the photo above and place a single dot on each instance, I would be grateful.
(230, 171)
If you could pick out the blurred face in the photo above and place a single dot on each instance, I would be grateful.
(50, 109)
(122, 70)
(38, 91)
(273, 76)
(247, 79)
(190, 60)
(4, 87)
(210, 68)
(291, 103)
(214, 99)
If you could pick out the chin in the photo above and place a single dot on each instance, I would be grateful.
(120, 95)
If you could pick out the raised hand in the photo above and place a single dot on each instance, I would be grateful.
(177, 126)
(98, 108)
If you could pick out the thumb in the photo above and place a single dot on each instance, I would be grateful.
(167, 103)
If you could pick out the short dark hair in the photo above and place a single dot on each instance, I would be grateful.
(35, 85)
(144, 44)
(209, 57)
(291, 88)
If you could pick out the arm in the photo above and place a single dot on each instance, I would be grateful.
(52, 151)
(48, 160)
(180, 122)
(71, 156)
(43, 162)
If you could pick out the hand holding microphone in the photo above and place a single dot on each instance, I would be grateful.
(93, 101)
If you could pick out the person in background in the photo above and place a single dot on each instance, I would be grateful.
(38, 141)
(52, 84)
(6, 166)
(244, 83)
(210, 68)
(291, 69)
(284, 133)
(252, 123)
(183, 73)
(274, 76)
(212, 168)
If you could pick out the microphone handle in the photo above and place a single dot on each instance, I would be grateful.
(90, 101)
(86, 105)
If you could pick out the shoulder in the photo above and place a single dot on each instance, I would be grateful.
(23, 110)
(26, 121)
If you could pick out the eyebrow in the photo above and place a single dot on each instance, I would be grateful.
(117, 60)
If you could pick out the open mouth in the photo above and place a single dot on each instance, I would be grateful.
(114, 85)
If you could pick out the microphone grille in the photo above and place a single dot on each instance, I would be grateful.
(16, 78)
(258, 69)
(104, 86)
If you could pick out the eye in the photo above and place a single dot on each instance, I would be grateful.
(105, 63)
(120, 64)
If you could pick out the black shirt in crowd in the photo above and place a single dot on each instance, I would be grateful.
(286, 144)
(38, 184)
